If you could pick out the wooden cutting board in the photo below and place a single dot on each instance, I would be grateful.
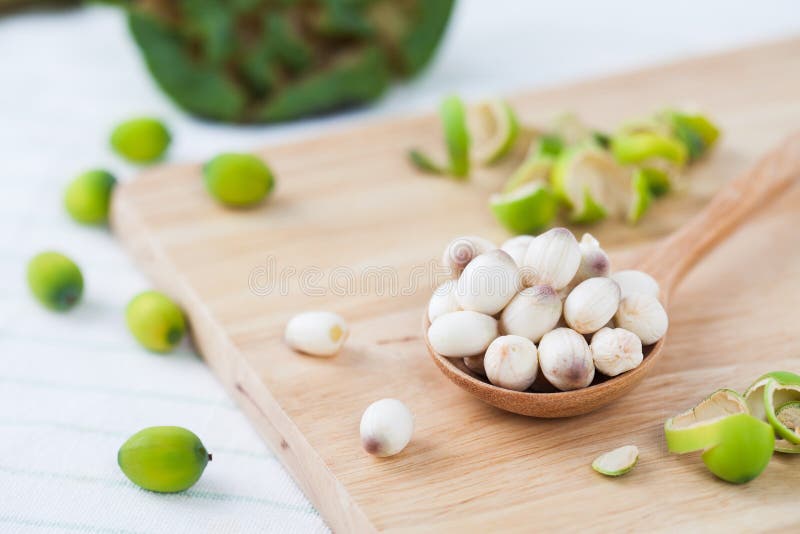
(349, 210)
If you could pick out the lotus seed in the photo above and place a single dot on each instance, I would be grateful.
(88, 196)
(141, 140)
(155, 321)
(166, 459)
(55, 280)
(238, 180)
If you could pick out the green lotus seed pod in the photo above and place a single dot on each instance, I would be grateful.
(88, 196)
(155, 321)
(141, 140)
(744, 450)
(249, 61)
(166, 459)
(55, 280)
(238, 180)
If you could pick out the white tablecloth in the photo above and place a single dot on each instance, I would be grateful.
(73, 387)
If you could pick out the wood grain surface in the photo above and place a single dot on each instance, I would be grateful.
(348, 206)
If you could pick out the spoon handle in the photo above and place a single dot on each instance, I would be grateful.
(730, 207)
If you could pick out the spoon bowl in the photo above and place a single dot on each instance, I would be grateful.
(668, 264)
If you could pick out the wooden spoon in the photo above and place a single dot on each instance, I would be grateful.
(668, 264)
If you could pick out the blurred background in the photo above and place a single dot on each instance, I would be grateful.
(72, 388)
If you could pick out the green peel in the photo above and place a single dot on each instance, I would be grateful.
(786, 397)
(589, 181)
(617, 462)
(696, 429)
(454, 124)
(528, 209)
(737, 446)
(497, 130)
(641, 197)
(642, 147)
(534, 169)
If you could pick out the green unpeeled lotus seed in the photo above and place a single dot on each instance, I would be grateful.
(155, 321)
(744, 450)
(166, 459)
(141, 140)
(55, 280)
(238, 180)
(88, 196)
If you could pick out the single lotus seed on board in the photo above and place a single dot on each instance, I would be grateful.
(475, 364)
(643, 315)
(166, 459)
(317, 333)
(616, 351)
(238, 180)
(592, 303)
(141, 140)
(632, 281)
(552, 259)
(155, 321)
(511, 362)
(566, 360)
(488, 283)
(443, 300)
(532, 313)
(461, 250)
(462, 333)
(594, 260)
(88, 196)
(55, 280)
(386, 427)
(517, 247)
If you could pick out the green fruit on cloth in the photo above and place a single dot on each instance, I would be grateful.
(166, 459)
(141, 140)
(88, 196)
(55, 280)
(155, 321)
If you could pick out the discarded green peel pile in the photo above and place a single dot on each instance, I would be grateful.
(736, 433)
(250, 61)
(592, 175)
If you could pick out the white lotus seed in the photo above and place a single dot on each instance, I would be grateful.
(632, 281)
(511, 362)
(488, 283)
(594, 260)
(616, 351)
(591, 304)
(318, 333)
(532, 313)
(461, 250)
(386, 427)
(517, 247)
(565, 359)
(643, 315)
(552, 259)
(462, 333)
(443, 300)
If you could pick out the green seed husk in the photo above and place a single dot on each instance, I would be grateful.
(155, 321)
(55, 280)
(164, 459)
(238, 180)
(88, 196)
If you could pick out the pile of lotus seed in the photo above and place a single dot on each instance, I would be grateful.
(546, 303)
